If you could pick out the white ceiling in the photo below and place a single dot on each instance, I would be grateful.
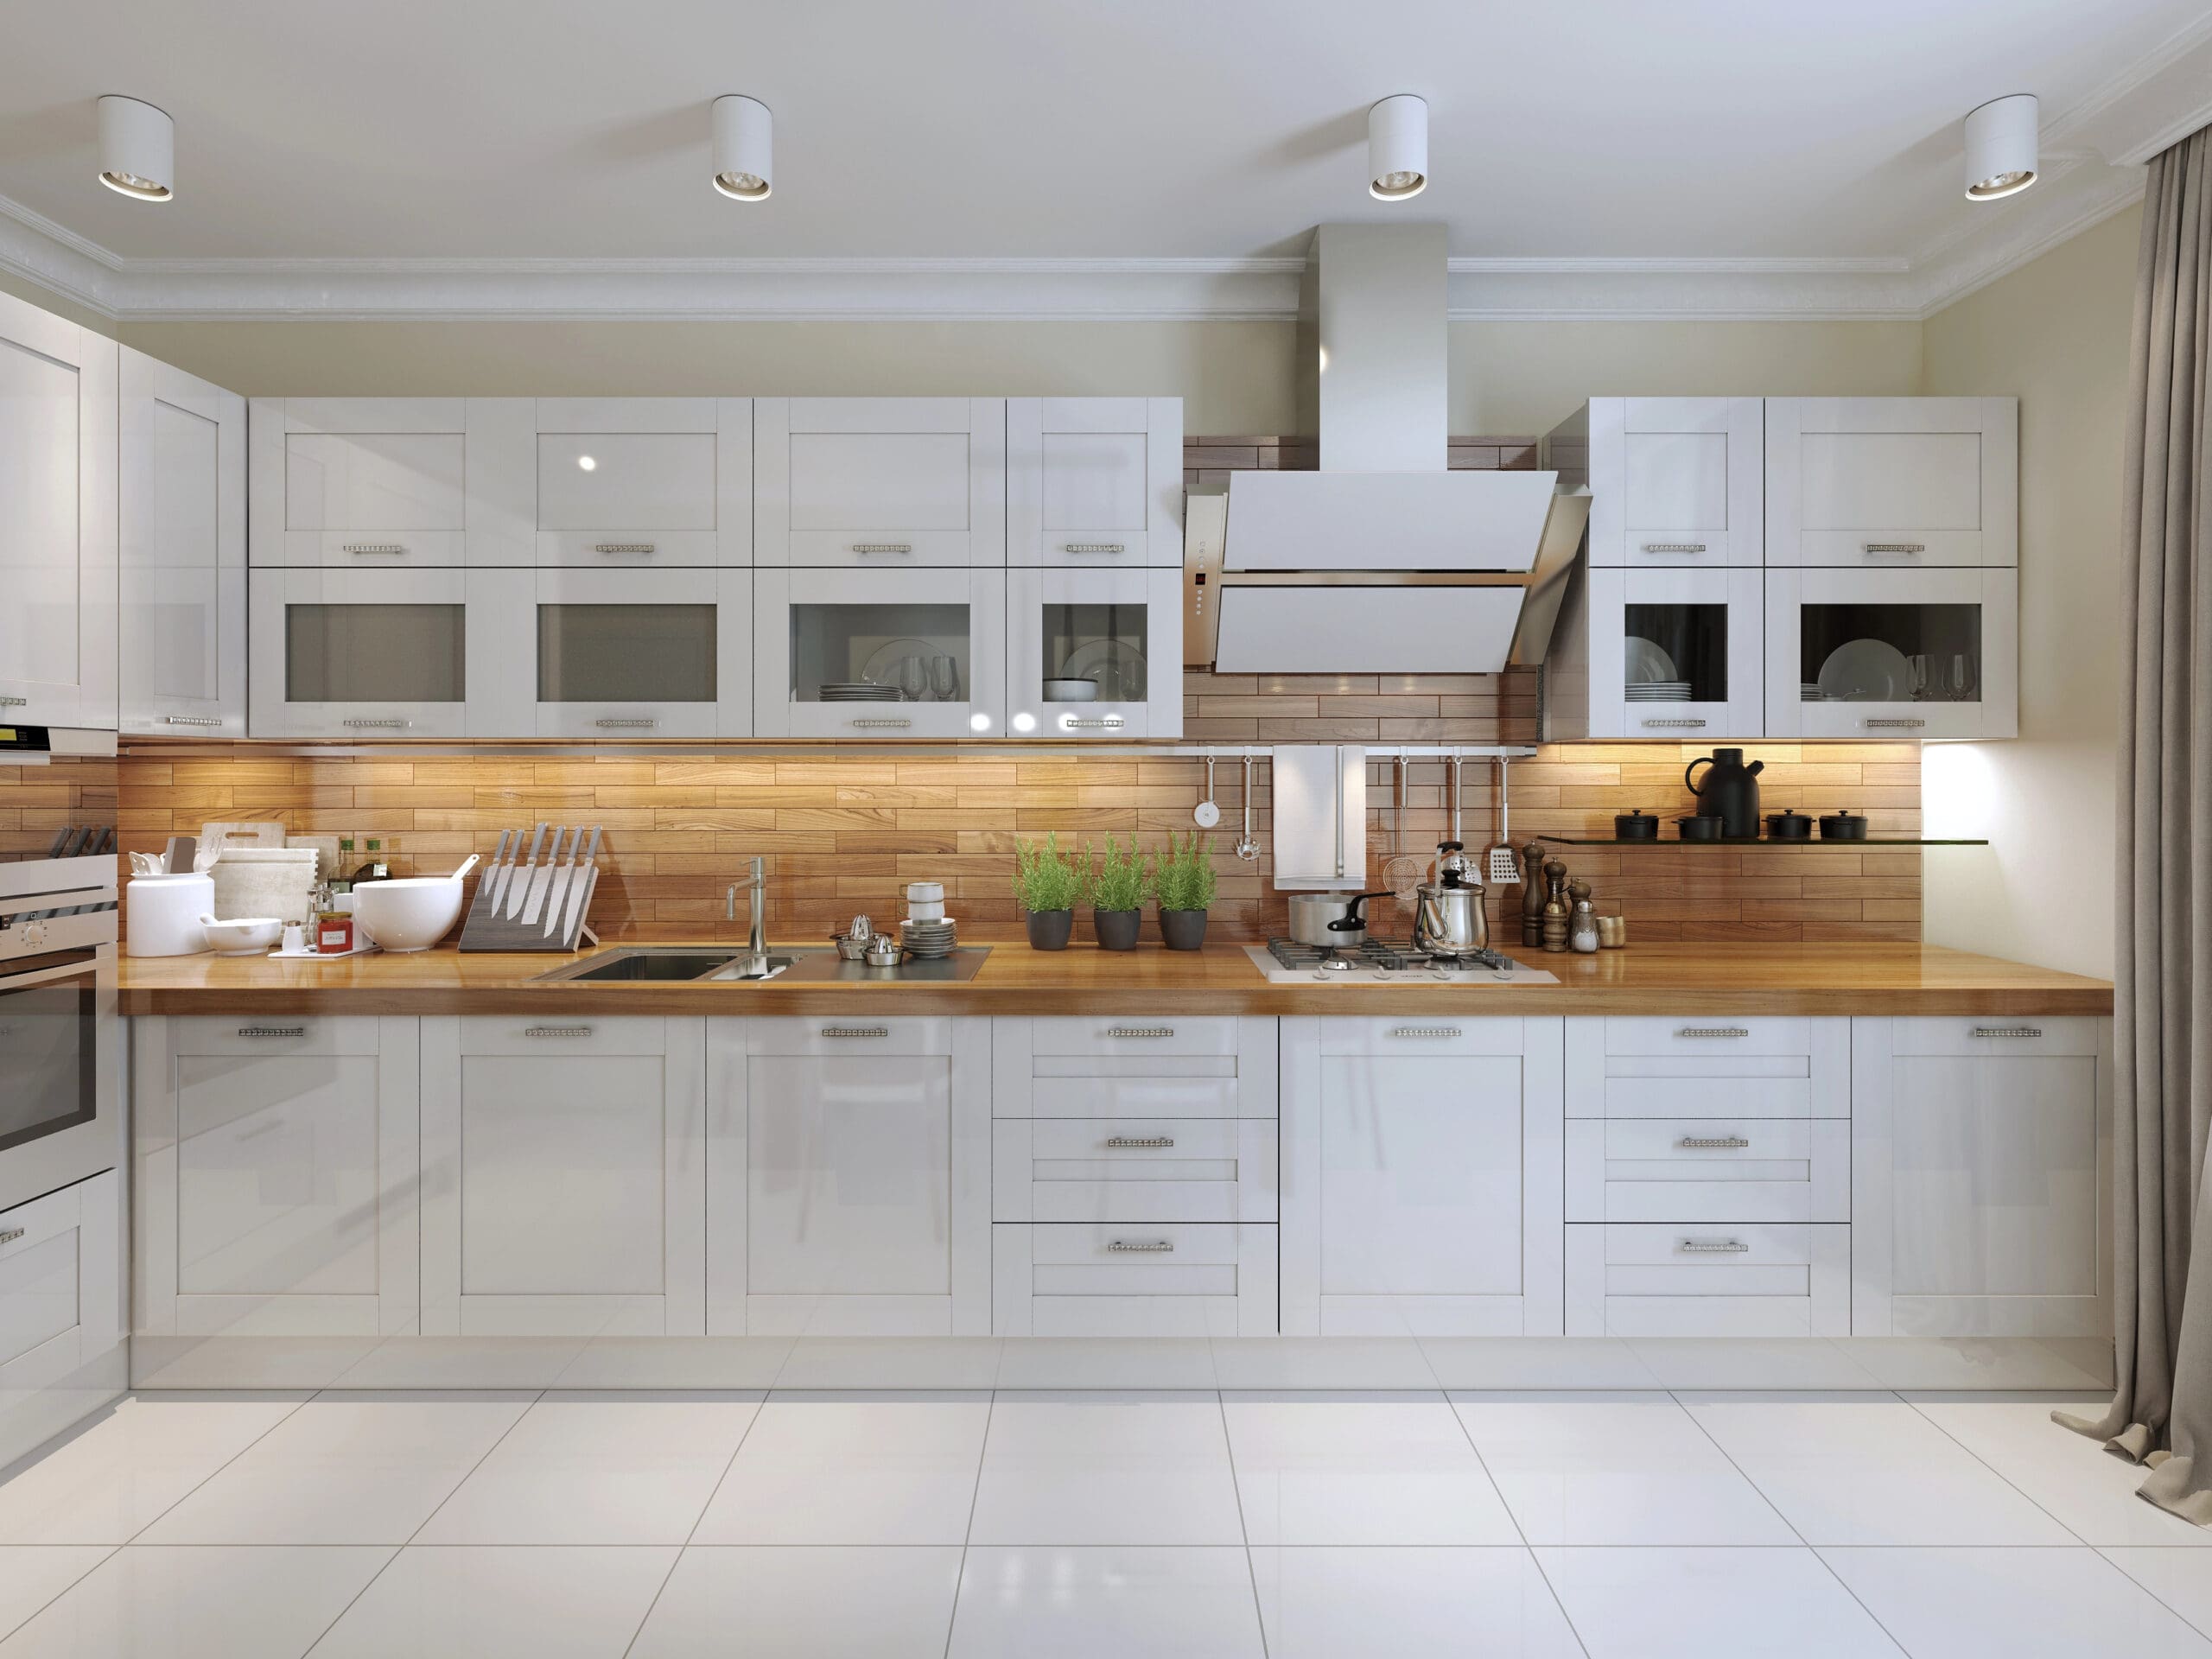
(1733, 130)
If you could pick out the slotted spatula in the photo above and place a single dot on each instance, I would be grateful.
(1500, 867)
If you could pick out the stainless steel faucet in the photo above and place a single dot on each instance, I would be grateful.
(757, 906)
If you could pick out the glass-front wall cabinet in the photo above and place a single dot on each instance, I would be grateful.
(1916, 653)
(881, 654)
(1095, 653)
(1670, 654)
(342, 653)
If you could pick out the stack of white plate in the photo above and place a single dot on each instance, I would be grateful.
(857, 692)
(1809, 691)
(1659, 691)
(926, 940)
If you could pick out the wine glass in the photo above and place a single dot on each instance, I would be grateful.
(944, 678)
(913, 678)
(1963, 677)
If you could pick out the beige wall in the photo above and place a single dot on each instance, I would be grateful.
(2055, 335)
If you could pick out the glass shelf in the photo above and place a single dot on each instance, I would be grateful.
(1768, 841)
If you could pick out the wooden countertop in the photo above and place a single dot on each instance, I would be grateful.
(1660, 979)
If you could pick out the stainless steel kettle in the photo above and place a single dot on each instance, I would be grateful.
(1449, 919)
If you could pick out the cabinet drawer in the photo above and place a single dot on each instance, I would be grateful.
(285, 1034)
(1153, 1280)
(553, 1032)
(1137, 1036)
(1739, 1280)
(1994, 1035)
(1708, 1169)
(1160, 1094)
(859, 1035)
(1627, 1035)
(1684, 1068)
(1132, 1169)
(1420, 1036)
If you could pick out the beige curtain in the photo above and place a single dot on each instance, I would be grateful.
(2162, 1415)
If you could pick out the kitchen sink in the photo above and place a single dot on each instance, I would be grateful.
(636, 964)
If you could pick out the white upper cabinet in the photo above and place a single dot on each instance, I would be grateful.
(879, 482)
(1889, 483)
(1675, 482)
(1892, 653)
(880, 654)
(630, 482)
(58, 385)
(1658, 653)
(182, 542)
(372, 483)
(1095, 653)
(1093, 482)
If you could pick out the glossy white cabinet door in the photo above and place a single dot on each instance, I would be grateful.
(1981, 1158)
(1961, 627)
(640, 483)
(849, 1185)
(1093, 483)
(880, 483)
(1115, 627)
(61, 1310)
(1422, 1177)
(817, 626)
(1893, 483)
(274, 1180)
(563, 1176)
(181, 529)
(58, 388)
(1676, 483)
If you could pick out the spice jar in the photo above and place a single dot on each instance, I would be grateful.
(334, 933)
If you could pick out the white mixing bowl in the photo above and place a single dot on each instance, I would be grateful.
(250, 936)
(411, 913)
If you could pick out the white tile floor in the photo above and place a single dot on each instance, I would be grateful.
(1628, 1524)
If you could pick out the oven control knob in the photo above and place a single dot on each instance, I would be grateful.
(33, 933)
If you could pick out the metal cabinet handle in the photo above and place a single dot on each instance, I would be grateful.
(1712, 1246)
(2005, 1030)
(855, 1031)
(893, 725)
(272, 1030)
(1140, 1140)
(191, 720)
(557, 1031)
(1673, 547)
(380, 725)
(883, 547)
(1425, 1031)
(1148, 1246)
(15, 703)
(623, 547)
(14, 1233)
(1139, 1031)
(1712, 1143)
(1093, 547)
(1902, 549)
(1674, 725)
(384, 550)
(1712, 1031)
(1902, 725)
(626, 725)
(1110, 722)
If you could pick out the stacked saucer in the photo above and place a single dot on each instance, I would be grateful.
(1659, 691)
(857, 692)
(927, 939)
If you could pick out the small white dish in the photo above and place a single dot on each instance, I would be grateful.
(1071, 691)
(244, 937)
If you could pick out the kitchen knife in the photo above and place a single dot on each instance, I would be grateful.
(518, 882)
(487, 893)
(557, 889)
(540, 878)
(580, 890)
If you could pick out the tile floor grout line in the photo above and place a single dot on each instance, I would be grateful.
(960, 1576)
(311, 1396)
(1914, 1407)
(113, 1550)
(2103, 1551)
(1237, 1490)
(698, 1520)
(535, 1396)
(1519, 1531)
(1811, 1547)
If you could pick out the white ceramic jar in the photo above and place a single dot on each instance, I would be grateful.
(161, 914)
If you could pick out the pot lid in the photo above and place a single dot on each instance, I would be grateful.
(1636, 812)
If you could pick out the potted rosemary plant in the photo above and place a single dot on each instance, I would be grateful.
(1047, 884)
(1118, 881)
(1183, 879)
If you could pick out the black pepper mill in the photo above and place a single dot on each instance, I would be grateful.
(1532, 895)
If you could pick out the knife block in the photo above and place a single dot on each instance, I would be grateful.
(490, 928)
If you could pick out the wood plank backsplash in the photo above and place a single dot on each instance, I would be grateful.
(844, 832)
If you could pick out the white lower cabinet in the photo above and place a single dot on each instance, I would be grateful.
(563, 1176)
(1981, 1157)
(61, 1296)
(849, 1177)
(274, 1185)
(1422, 1176)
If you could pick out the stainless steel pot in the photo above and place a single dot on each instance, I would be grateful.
(1329, 920)
(1449, 920)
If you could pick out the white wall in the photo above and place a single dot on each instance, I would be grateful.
(2055, 335)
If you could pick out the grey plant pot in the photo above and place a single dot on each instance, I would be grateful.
(1117, 930)
(1183, 929)
(1049, 929)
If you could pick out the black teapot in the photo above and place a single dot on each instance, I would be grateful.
(1729, 791)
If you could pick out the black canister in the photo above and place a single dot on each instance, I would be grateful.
(1729, 791)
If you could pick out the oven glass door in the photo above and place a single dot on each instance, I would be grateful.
(49, 1046)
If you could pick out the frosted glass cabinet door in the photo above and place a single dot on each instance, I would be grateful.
(1893, 483)
(57, 520)
(1117, 632)
(934, 639)
(356, 654)
(182, 546)
(1093, 483)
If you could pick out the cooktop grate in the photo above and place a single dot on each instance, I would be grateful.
(1387, 955)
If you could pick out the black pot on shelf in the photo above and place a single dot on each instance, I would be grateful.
(1846, 825)
(1049, 929)
(1789, 824)
(1639, 825)
(1703, 826)
(1183, 929)
(1116, 930)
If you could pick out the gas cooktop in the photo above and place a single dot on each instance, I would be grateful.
(1383, 962)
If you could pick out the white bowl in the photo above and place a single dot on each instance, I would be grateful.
(247, 936)
(411, 913)
(1071, 691)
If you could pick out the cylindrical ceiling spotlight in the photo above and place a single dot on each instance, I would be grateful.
(744, 145)
(137, 150)
(1397, 148)
(2001, 147)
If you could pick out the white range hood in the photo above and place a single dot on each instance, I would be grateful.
(1383, 561)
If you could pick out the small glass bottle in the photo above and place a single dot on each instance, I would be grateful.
(1585, 933)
